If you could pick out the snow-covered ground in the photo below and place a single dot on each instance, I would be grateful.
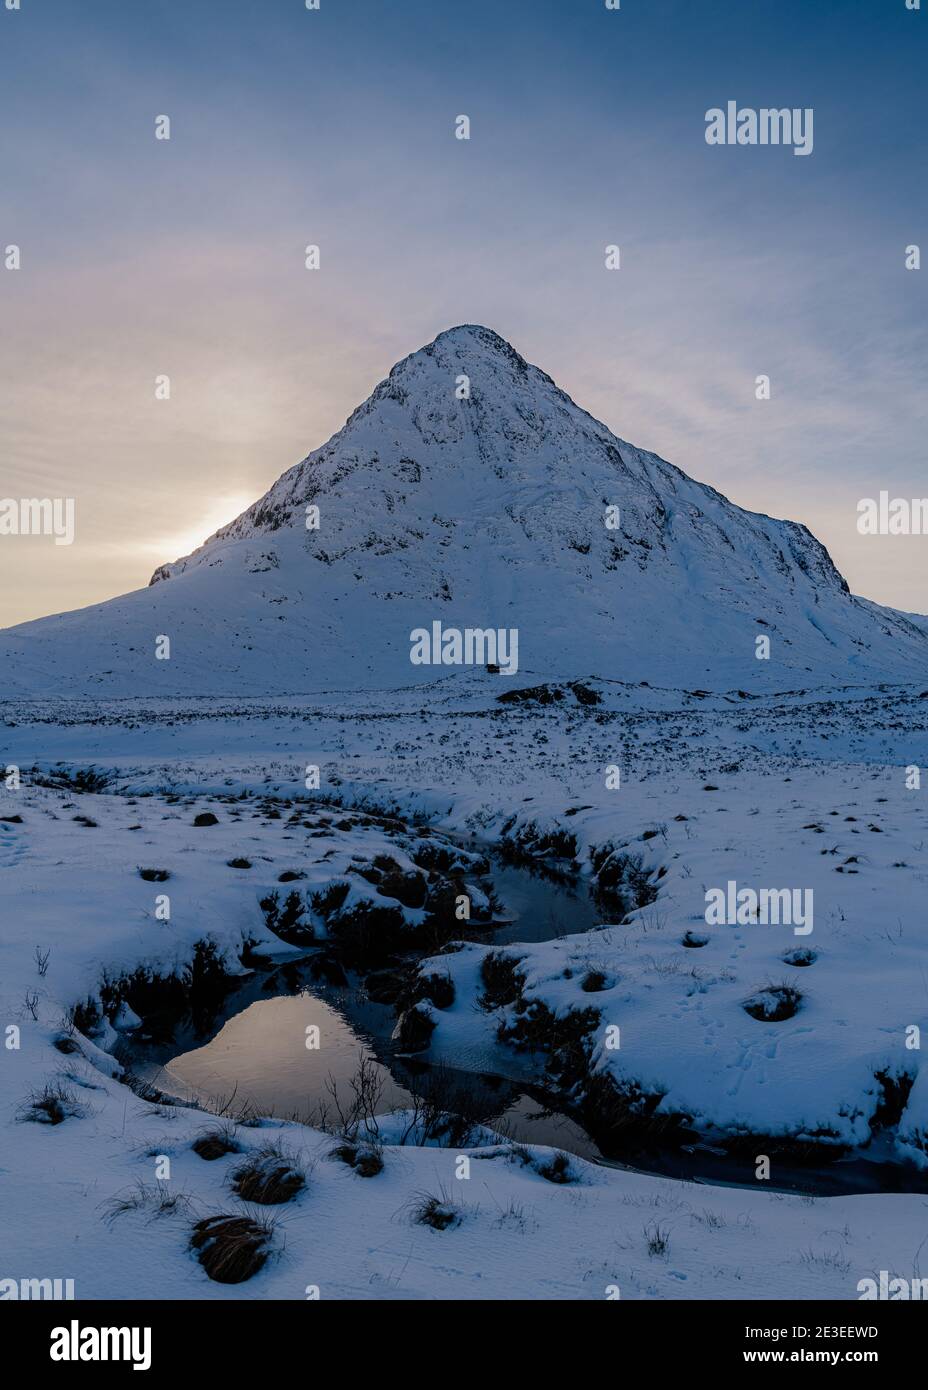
(804, 791)
(699, 708)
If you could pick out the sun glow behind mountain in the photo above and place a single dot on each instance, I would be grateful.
(219, 512)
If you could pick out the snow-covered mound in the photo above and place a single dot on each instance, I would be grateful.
(480, 510)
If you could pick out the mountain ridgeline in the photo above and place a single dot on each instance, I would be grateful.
(469, 490)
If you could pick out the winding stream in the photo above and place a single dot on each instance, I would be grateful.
(257, 1058)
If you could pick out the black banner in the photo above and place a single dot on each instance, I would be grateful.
(166, 1338)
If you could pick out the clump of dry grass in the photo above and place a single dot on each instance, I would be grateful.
(157, 1199)
(774, 1003)
(232, 1249)
(268, 1177)
(54, 1104)
(439, 1212)
(216, 1142)
(557, 1169)
(365, 1158)
(657, 1239)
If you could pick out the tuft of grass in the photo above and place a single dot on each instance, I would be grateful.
(232, 1249)
(82, 779)
(710, 1219)
(773, 1003)
(145, 1090)
(154, 875)
(826, 1259)
(557, 1169)
(239, 863)
(268, 1177)
(801, 956)
(657, 1239)
(365, 1158)
(439, 1213)
(437, 988)
(216, 1142)
(157, 1199)
(329, 900)
(84, 1017)
(285, 921)
(513, 1214)
(501, 980)
(694, 939)
(54, 1104)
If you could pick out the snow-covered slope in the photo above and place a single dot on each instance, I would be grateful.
(481, 512)
(85, 1191)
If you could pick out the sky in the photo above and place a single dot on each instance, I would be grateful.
(336, 127)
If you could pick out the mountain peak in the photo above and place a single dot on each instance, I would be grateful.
(469, 490)
(469, 336)
(474, 331)
(467, 343)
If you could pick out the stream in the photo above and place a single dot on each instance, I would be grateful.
(257, 1058)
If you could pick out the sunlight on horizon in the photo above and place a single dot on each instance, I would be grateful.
(180, 543)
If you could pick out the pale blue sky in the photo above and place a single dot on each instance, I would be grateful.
(336, 127)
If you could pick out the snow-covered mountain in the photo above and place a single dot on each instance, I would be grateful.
(484, 510)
